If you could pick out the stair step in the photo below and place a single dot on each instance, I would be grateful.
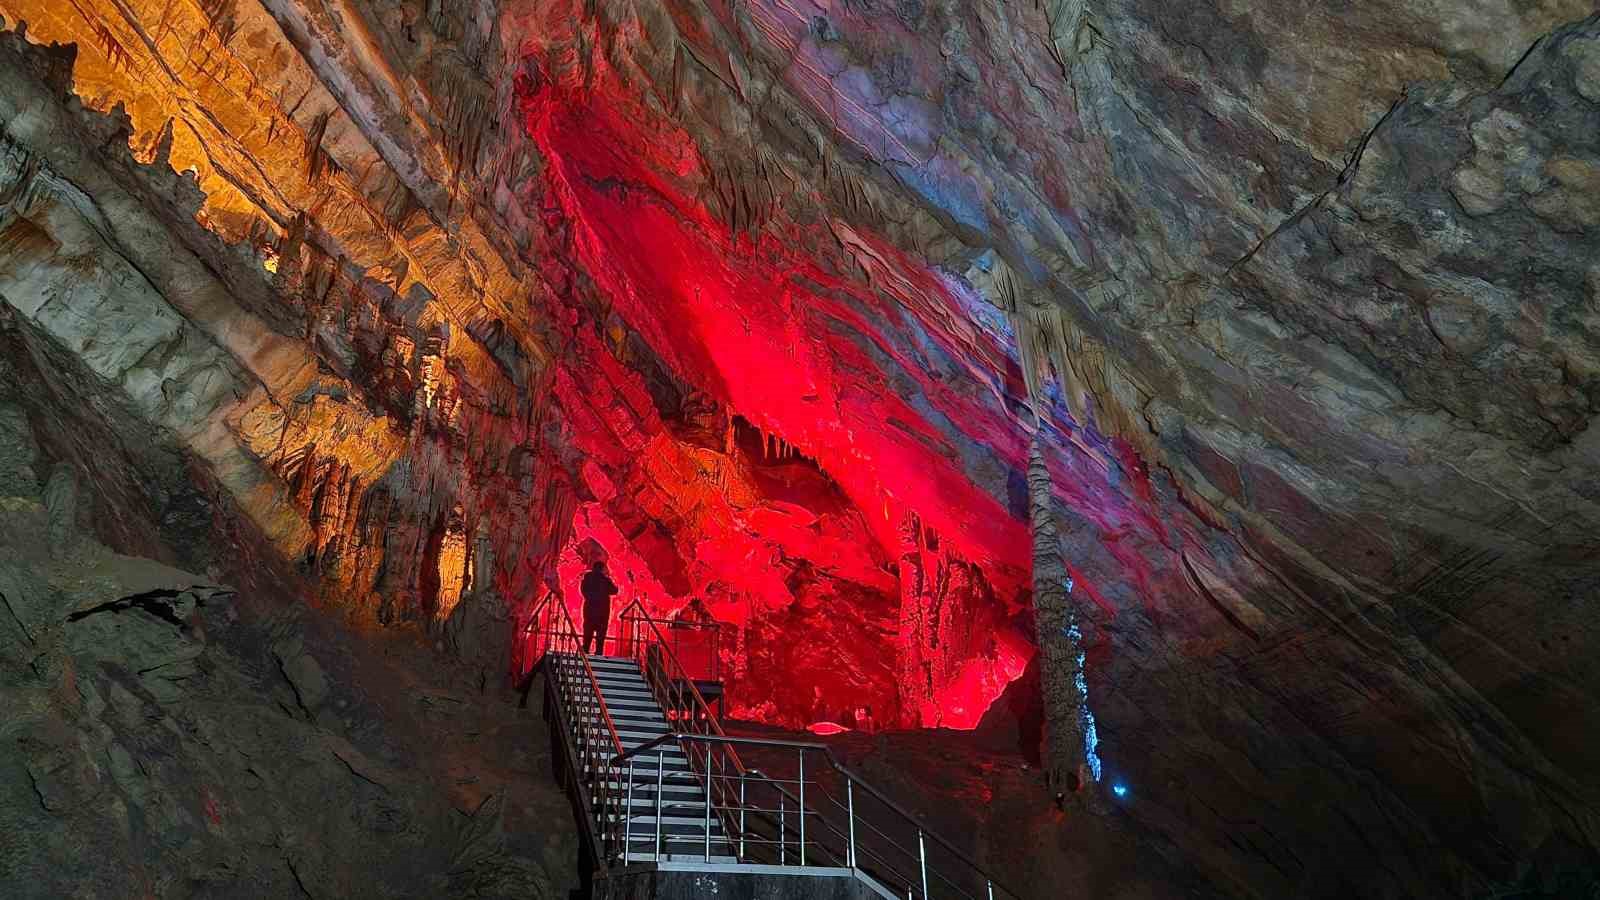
(632, 721)
(652, 712)
(643, 779)
(673, 804)
(602, 739)
(640, 769)
(632, 705)
(670, 761)
(679, 834)
(609, 704)
(642, 765)
(647, 854)
(632, 740)
(640, 738)
(620, 722)
(627, 689)
(631, 702)
(672, 780)
(616, 693)
(647, 790)
(696, 822)
(688, 847)
(630, 724)
(678, 831)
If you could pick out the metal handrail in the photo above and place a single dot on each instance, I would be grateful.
(588, 670)
(634, 645)
(700, 712)
(708, 734)
(856, 782)
(635, 613)
(565, 687)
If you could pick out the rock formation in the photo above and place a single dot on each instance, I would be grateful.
(398, 308)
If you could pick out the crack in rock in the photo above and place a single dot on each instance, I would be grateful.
(159, 603)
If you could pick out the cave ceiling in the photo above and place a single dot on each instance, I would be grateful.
(764, 300)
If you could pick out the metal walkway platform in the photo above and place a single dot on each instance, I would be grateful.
(668, 800)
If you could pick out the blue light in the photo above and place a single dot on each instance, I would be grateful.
(1121, 790)
(1091, 736)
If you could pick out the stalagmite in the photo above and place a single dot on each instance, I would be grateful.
(1071, 766)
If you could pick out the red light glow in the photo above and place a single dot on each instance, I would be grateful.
(866, 394)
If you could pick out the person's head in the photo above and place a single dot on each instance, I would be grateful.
(598, 566)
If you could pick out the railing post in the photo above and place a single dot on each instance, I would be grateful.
(850, 814)
(922, 855)
(741, 816)
(801, 812)
(708, 813)
(783, 830)
(990, 885)
(627, 822)
(661, 758)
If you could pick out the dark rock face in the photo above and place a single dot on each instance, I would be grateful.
(164, 737)
(403, 303)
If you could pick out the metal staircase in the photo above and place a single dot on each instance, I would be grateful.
(659, 787)
(668, 816)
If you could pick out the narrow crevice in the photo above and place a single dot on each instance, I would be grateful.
(18, 619)
(34, 783)
(298, 882)
(157, 603)
(357, 773)
(299, 701)
(1344, 178)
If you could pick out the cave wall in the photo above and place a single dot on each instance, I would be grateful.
(762, 298)
(400, 411)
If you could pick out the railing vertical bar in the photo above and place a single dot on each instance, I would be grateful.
(741, 817)
(696, 729)
(850, 813)
(922, 855)
(627, 820)
(801, 811)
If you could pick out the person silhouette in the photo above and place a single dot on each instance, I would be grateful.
(598, 589)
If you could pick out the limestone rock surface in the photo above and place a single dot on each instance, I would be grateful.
(410, 305)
